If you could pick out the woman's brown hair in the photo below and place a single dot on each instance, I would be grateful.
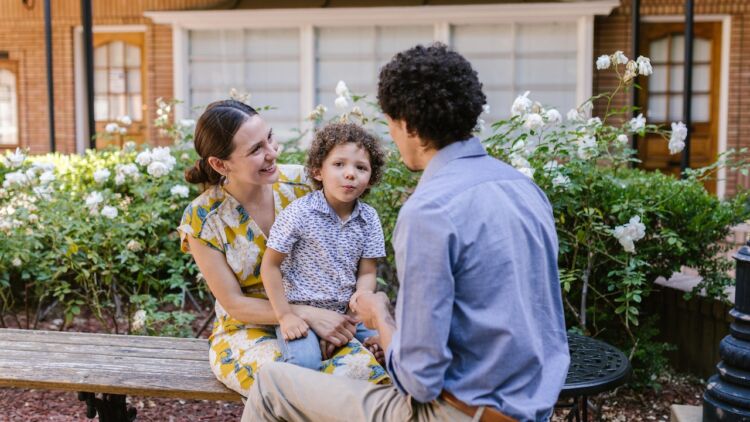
(214, 134)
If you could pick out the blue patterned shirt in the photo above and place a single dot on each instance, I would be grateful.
(323, 252)
(479, 310)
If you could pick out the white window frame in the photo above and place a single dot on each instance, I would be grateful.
(726, 40)
(440, 17)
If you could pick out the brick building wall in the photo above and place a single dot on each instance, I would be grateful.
(613, 33)
(22, 37)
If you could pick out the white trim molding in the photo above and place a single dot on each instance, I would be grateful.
(406, 15)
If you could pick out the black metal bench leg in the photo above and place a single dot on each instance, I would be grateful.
(110, 408)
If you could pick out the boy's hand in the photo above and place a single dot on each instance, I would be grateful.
(353, 300)
(293, 327)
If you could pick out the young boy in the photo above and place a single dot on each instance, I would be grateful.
(323, 247)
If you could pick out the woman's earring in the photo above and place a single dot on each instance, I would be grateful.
(225, 180)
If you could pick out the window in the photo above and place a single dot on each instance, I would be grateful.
(117, 81)
(8, 104)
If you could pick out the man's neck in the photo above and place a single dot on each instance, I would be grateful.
(423, 156)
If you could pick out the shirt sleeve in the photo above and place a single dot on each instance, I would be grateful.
(418, 356)
(285, 230)
(375, 242)
(197, 224)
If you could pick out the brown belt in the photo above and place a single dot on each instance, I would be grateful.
(489, 415)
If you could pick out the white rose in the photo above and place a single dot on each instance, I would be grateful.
(637, 123)
(128, 146)
(47, 177)
(180, 191)
(527, 171)
(93, 199)
(521, 105)
(109, 211)
(518, 161)
(677, 139)
(126, 120)
(594, 122)
(342, 90)
(587, 147)
(128, 169)
(553, 116)
(603, 62)
(619, 57)
(318, 112)
(17, 262)
(33, 218)
(123, 131)
(15, 159)
(143, 158)
(31, 174)
(644, 66)
(119, 179)
(533, 121)
(341, 103)
(15, 178)
(164, 155)
(157, 169)
(486, 109)
(573, 115)
(551, 166)
(111, 128)
(101, 175)
(560, 180)
(629, 233)
(134, 246)
(139, 320)
(622, 138)
(187, 123)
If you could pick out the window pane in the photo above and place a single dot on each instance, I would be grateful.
(117, 81)
(702, 77)
(658, 51)
(657, 82)
(116, 53)
(677, 54)
(701, 49)
(676, 73)
(116, 106)
(100, 81)
(134, 81)
(657, 108)
(132, 55)
(546, 37)
(474, 39)
(100, 56)
(8, 108)
(701, 111)
(675, 107)
(101, 108)
(135, 108)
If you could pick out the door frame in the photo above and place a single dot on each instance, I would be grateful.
(726, 41)
(81, 112)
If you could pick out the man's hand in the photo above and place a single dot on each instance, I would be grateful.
(373, 345)
(293, 327)
(327, 349)
(369, 307)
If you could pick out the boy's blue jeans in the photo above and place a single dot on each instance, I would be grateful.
(305, 351)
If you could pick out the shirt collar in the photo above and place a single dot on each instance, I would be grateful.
(471, 147)
(320, 204)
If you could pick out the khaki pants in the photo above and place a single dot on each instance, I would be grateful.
(284, 392)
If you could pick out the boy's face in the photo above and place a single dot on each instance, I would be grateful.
(345, 173)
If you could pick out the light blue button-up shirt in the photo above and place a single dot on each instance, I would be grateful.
(479, 310)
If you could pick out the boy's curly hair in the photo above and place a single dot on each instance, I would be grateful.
(435, 91)
(341, 133)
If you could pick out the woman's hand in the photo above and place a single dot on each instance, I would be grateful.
(330, 326)
(373, 345)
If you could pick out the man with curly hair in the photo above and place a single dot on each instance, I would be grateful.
(478, 332)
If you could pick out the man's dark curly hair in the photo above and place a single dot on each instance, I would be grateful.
(338, 134)
(435, 91)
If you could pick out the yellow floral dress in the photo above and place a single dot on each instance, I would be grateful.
(238, 350)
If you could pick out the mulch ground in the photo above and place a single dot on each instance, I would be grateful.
(22, 405)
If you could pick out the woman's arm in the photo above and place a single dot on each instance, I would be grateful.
(224, 286)
(292, 326)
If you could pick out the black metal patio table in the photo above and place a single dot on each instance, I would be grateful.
(595, 367)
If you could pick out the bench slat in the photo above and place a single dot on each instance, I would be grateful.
(102, 350)
(94, 339)
(103, 363)
(128, 383)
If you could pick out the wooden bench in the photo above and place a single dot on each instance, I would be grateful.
(113, 365)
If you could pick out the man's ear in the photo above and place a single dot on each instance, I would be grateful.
(219, 165)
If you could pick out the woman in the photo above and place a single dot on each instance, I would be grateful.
(225, 230)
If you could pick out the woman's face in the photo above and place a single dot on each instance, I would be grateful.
(253, 161)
